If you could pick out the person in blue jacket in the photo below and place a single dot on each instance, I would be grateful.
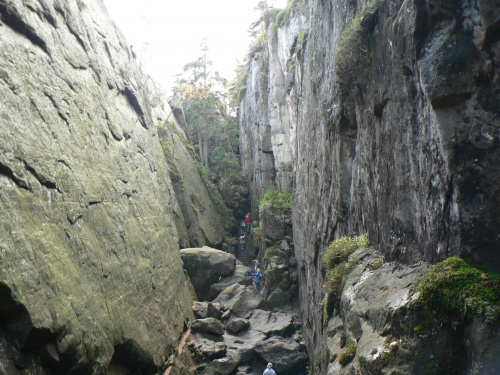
(258, 278)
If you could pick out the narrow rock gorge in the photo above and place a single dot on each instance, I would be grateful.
(370, 143)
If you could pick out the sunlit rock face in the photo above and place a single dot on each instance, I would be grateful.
(90, 273)
(390, 126)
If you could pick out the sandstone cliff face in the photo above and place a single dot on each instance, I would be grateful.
(389, 128)
(90, 274)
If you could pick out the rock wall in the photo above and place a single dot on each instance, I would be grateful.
(91, 278)
(388, 126)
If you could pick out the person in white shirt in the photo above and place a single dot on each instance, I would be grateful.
(269, 370)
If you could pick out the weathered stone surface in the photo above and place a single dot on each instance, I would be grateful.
(243, 344)
(222, 366)
(204, 310)
(241, 276)
(211, 326)
(237, 325)
(210, 349)
(205, 266)
(381, 312)
(241, 300)
(272, 323)
(89, 265)
(390, 129)
(285, 355)
(198, 220)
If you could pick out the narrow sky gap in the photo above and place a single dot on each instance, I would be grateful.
(166, 35)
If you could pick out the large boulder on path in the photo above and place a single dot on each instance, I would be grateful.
(204, 310)
(205, 266)
(241, 300)
(237, 325)
(222, 366)
(272, 323)
(211, 326)
(242, 275)
(210, 349)
(285, 354)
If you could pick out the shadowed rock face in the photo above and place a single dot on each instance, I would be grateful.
(90, 274)
(390, 129)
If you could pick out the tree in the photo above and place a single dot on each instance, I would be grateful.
(209, 111)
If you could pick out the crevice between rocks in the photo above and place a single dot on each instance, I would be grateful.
(11, 17)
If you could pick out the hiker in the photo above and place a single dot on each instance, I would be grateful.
(256, 265)
(248, 220)
(269, 370)
(242, 242)
(258, 278)
(242, 225)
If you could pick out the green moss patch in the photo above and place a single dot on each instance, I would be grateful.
(340, 249)
(282, 201)
(462, 288)
(335, 259)
(348, 354)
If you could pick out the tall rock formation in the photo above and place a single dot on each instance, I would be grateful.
(382, 117)
(91, 278)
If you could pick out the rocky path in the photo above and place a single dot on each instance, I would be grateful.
(235, 331)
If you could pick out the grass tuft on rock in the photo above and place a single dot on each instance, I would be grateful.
(335, 259)
(460, 287)
(340, 249)
(348, 354)
(282, 201)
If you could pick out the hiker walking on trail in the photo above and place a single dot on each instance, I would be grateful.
(248, 220)
(242, 242)
(258, 278)
(256, 265)
(269, 370)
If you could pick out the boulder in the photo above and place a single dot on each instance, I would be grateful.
(211, 326)
(279, 298)
(222, 366)
(241, 300)
(204, 310)
(242, 275)
(243, 344)
(285, 354)
(206, 266)
(237, 325)
(210, 349)
(272, 323)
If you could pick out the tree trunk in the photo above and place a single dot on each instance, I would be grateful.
(205, 150)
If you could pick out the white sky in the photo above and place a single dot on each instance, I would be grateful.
(166, 34)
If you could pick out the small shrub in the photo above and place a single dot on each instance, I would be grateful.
(348, 354)
(282, 201)
(462, 288)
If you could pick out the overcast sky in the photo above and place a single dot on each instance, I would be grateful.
(166, 34)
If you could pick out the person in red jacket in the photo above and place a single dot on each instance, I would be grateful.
(248, 221)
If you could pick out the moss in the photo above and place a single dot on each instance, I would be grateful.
(282, 201)
(335, 259)
(302, 38)
(353, 49)
(336, 275)
(340, 249)
(459, 287)
(347, 355)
